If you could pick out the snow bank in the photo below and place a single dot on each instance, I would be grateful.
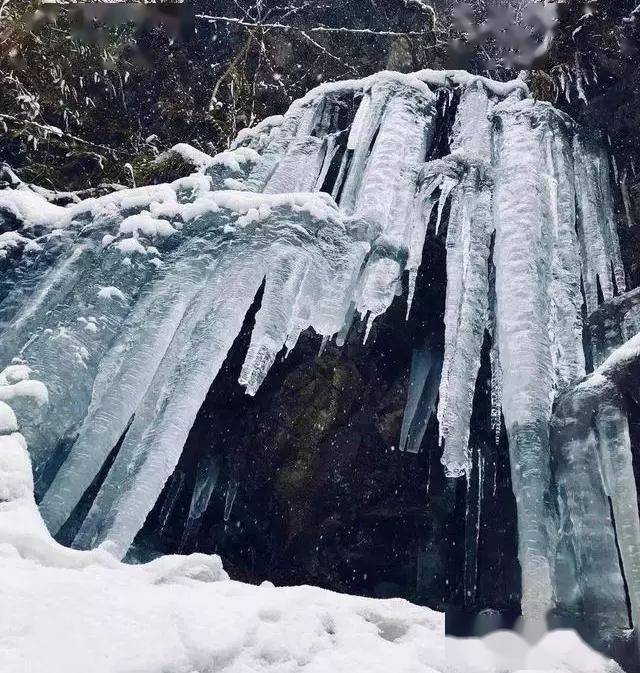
(116, 620)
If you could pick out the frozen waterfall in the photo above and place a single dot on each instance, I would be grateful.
(127, 305)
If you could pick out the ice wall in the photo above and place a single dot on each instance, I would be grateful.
(128, 304)
(598, 558)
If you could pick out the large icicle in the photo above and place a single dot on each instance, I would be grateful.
(124, 377)
(387, 193)
(565, 324)
(153, 444)
(468, 241)
(523, 256)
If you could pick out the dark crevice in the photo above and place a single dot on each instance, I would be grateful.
(622, 573)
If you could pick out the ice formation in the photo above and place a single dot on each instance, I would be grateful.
(127, 305)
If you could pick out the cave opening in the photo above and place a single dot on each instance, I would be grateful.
(305, 483)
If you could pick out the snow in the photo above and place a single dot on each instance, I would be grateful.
(233, 159)
(462, 78)
(117, 620)
(616, 362)
(131, 245)
(31, 209)
(14, 373)
(11, 239)
(32, 389)
(189, 153)
(506, 651)
(8, 421)
(146, 224)
(256, 136)
(111, 292)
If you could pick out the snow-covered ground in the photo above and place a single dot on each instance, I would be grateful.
(69, 611)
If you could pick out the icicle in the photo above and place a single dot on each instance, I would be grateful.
(370, 320)
(424, 379)
(332, 147)
(387, 189)
(300, 169)
(207, 474)
(386, 197)
(272, 322)
(232, 491)
(372, 106)
(421, 215)
(496, 391)
(626, 199)
(619, 482)
(473, 516)
(175, 488)
(600, 248)
(166, 413)
(123, 379)
(523, 269)
(614, 163)
(337, 187)
(466, 307)
(348, 321)
(360, 122)
(293, 139)
(565, 295)
(446, 187)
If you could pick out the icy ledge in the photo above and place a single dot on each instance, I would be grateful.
(70, 611)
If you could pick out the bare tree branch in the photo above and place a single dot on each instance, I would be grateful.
(313, 29)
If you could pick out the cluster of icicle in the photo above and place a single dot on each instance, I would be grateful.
(127, 305)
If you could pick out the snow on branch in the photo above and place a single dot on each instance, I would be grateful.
(48, 129)
(313, 29)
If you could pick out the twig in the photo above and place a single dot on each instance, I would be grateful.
(54, 130)
(313, 29)
(328, 53)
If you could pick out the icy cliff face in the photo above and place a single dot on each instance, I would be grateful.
(127, 305)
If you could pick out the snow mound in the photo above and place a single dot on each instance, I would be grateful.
(29, 208)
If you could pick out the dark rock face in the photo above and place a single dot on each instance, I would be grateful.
(312, 488)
